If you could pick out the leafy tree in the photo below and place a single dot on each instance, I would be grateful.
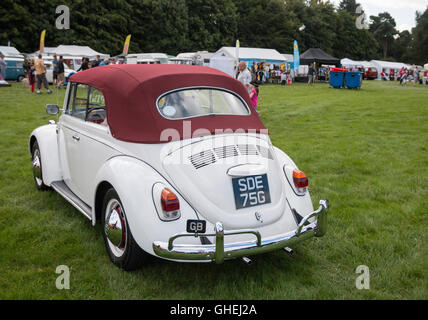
(420, 42)
(383, 28)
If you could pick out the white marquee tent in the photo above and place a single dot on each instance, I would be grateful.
(386, 66)
(348, 63)
(221, 61)
(251, 55)
(79, 51)
(10, 52)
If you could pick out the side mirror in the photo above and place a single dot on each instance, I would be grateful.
(52, 109)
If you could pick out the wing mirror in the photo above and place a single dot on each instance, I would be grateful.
(52, 109)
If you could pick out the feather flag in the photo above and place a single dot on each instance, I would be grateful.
(126, 45)
(42, 41)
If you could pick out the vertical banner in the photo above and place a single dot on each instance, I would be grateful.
(296, 56)
(126, 45)
(42, 41)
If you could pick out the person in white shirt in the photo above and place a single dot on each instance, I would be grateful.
(244, 75)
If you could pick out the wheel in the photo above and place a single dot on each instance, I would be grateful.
(124, 252)
(36, 164)
(20, 78)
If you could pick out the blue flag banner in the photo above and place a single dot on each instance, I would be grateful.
(296, 56)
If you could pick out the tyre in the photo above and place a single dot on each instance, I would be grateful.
(36, 164)
(121, 247)
(20, 78)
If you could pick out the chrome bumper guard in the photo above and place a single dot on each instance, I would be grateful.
(219, 251)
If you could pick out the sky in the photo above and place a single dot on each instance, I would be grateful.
(403, 11)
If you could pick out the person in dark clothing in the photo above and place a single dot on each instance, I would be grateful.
(61, 78)
(311, 75)
(97, 62)
(85, 64)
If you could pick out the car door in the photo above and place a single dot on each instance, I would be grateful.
(85, 140)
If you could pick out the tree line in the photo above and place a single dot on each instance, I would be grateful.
(174, 26)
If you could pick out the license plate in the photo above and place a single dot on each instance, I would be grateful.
(196, 226)
(251, 191)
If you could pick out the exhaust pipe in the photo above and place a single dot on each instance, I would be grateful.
(247, 260)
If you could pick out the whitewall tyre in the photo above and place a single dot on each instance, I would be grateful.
(36, 165)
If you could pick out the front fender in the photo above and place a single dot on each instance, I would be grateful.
(133, 180)
(46, 137)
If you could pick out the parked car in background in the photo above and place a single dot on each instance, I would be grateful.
(370, 73)
(15, 69)
(174, 162)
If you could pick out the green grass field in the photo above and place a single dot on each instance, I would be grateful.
(367, 150)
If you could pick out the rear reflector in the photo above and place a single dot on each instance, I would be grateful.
(300, 179)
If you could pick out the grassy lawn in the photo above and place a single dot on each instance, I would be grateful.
(367, 150)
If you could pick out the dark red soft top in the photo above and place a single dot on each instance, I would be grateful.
(131, 92)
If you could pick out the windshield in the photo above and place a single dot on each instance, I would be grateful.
(194, 102)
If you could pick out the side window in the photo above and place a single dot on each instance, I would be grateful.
(87, 103)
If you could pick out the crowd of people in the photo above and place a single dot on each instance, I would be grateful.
(35, 70)
(403, 75)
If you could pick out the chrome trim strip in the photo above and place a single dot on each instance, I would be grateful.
(219, 251)
(72, 198)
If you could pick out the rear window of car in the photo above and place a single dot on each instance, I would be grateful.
(196, 102)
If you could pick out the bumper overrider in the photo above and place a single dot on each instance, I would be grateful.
(219, 251)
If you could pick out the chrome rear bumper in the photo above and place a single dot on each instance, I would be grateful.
(219, 251)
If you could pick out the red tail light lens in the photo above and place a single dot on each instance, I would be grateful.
(169, 201)
(300, 179)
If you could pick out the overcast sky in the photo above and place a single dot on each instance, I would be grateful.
(403, 11)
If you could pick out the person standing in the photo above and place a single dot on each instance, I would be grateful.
(415, 76)
(31, 75)
(311, 73)
(41, 75)
(85, 65)
(244, 76)
(97, 62)
(60, 78)
(254, 94)
(3, 66)
(55, 70)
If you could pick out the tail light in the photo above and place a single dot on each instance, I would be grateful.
(300, 180)
(170, 205)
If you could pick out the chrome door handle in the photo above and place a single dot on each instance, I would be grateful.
(77, 138)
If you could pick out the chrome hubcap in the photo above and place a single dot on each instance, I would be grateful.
(115, 227)
(36, 165)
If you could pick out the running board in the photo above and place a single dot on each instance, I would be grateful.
(63, 190)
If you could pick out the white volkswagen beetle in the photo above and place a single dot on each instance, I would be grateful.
(174, 163)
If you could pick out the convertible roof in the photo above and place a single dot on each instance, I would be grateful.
(131, 91)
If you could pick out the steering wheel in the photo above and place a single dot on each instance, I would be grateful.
(96, 117)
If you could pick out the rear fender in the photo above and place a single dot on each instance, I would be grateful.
(133, 180)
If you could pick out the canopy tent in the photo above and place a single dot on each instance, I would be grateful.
(161, 57)
(386, 66)
(79, 51)
(290, 59)
(319, 56)
(10, 52)
(426, 66)
(221, 61)
(251, 55)
(348, 63)
(48, 51)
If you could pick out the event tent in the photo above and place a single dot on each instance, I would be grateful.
(221, 61)
(10, 52)
(79, 51)
(426, 66)
(348, 63)
(289, 58)
(251, 55)
(386, 66)
(319, 56)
